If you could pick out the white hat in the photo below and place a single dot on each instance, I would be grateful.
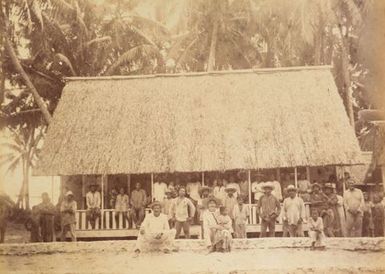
(68, 193)
(268, 185)
(291, 187)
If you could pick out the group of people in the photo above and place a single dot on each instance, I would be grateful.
(223, 215)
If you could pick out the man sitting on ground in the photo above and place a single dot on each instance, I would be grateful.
(155, 233)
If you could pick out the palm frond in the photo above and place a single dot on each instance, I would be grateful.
(104, 39)
(62, 58)
(14, 164)
(143, 35)
(133, 54)
(13, 147)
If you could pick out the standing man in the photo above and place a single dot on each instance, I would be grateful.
(155, 232)
(293, 212)
(122, 206)
(244, 185)
(93, 201)
(160, 189)
(354, 203)
(277, 191)
(219, 190)
(304, 187)
(46, 211)
(268, 209)
(138, 203)
(68, 209)
(182, 212)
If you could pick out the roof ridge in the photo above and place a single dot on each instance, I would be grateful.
(218, 72)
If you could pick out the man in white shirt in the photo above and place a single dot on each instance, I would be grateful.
(353, 203)
(155, 233)
(160, 189)
(219, 190)
(293, 212)
(93, 201)
(256, 188)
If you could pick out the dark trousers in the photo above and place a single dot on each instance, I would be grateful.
(267, 224)
(378, 225)
(92, 215)
(3, 228)
(47, 228)
(138, 215)
(186, 229)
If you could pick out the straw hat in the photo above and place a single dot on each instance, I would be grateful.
(291, 188)
(316, 185)
(267, 185)
(230, 189)
(329, 185)
(156, 203)
(68, 193)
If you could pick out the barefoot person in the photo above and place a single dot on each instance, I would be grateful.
(138, 204)
(122, 206)
(47, 212)
(214, 235)
(354, 203)
(269, 209)
(93, 200)
(182, 212)
(316, 228)
(67, 209)
(293, 212)
(240, 214)
(155, 232)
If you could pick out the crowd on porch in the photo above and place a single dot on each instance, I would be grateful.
(223, 205)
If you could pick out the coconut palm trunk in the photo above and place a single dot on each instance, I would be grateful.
(15, 61)
(213, 46)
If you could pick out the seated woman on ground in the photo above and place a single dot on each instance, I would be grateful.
(216, 228)
(316, 230)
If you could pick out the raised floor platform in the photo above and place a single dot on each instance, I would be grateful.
(352, 244)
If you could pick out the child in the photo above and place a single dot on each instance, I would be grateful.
(224, 237)
(316, 228)
(378, 216)
(241, 214)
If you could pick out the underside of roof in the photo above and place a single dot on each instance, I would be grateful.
(199, 122)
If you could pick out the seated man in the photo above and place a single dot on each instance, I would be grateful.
(155, 232)
(93, 200)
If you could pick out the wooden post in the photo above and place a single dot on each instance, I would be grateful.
(203, 178)
(343, 179)
(104, 180)
(152, 187)
(128, 185)
(249, 182)
(295, 177)
(52, 183)
(308, 174)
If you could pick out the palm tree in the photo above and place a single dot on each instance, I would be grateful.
(22, 152)
(218, 36)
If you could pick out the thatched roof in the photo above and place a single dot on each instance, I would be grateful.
(199, 122)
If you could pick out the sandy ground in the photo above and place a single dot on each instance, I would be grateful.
(239, 261)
